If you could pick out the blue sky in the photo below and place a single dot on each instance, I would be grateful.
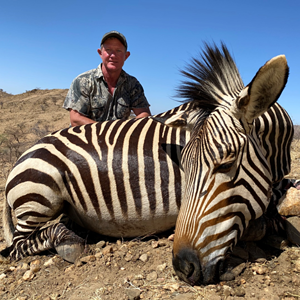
(46, 44)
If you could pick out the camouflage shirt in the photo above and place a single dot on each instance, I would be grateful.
(89, 95)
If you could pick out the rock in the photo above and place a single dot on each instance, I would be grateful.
(88, 258)
(35, 266)
(28, 275)
(151, 276)
(51, 261)
(260, 270)
(160, 268)
(128, 256)
(227, 290)
(171, 237)
(133, 294)
(100, 244)
(154, 244)
(238, 269)
(293, 229)
(289, 204)
(2, 276)
(228, 276)
(107, 250)
(239, 291)
(297, 265)
(143, 257)
(69, 268)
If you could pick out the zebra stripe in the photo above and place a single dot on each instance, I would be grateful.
(118, 178)
(238, 154)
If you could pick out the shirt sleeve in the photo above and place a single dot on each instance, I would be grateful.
(78, 97)
(137, 96)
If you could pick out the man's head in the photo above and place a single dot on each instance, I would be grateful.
(113, 52)
(114, 34)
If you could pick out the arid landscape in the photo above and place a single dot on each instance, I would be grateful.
(139, 268)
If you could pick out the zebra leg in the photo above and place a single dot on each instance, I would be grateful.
(67, 244)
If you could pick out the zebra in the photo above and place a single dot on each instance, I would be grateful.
(238, 152)
(118, 178)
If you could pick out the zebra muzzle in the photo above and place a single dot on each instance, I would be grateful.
(187, 266)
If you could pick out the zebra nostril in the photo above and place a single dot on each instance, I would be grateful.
(187, 266)
(191, 270)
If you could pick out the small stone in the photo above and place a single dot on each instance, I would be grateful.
(100, 244)
(289, 204)
(238, 269)
(260, 270)
(2, 276)
(228, 276)
(293, 229)
(154, 244)
(151, 276)
(69, 268)
(240, 291)
(78, 263)
(227, 290)
(28, 275)
(161, 244)
(133, 294)
(171, 237)
(108, 249)
(35, 266)
(98, 255)
(160, 268)
(297, 265)
(51, 261)
(128, 256)
(23, 266)
(143, 257)
(160, 280)
(88, 258)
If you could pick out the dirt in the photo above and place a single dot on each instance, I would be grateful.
(140, 268)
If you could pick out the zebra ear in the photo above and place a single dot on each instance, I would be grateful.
(264, 89)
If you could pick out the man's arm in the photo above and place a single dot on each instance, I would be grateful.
(78, 119)
(141, 112)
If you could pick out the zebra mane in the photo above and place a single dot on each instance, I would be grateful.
(212, 81)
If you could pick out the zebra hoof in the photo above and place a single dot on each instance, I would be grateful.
(69, 252)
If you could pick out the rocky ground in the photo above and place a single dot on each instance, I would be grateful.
(139, 268)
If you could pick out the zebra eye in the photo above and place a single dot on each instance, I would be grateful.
(223, 168)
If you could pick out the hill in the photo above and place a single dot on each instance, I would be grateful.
(24, 119)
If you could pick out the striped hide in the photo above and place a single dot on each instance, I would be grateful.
(239, 150)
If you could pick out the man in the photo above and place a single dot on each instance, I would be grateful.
(107, 92)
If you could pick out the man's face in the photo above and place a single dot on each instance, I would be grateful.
(113, 54)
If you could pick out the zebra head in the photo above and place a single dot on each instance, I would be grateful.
(228, 179)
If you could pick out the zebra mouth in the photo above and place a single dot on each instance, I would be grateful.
(187, 266)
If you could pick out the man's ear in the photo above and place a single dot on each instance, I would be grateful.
(99, 51)
(127, 55)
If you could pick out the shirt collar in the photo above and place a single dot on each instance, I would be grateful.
(99, 74)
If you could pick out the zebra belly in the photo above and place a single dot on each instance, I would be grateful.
(121, 226)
